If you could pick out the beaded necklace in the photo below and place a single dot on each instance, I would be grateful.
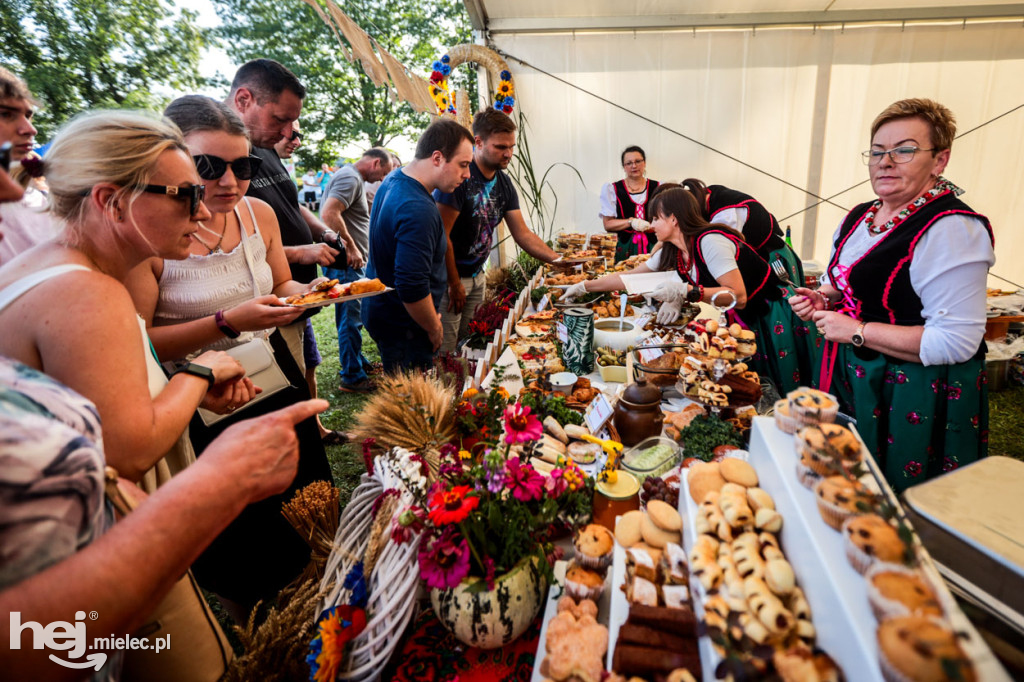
(942, 185)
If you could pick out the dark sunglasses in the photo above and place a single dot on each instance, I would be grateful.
(5, 157)
(296, 135)
(213, 167)
(194, 193)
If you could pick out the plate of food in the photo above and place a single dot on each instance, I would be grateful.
(537, 324)
(330, 291)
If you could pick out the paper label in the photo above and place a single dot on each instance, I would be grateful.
(562, 331)
(643, 320)
(598, 413)
(543, 303)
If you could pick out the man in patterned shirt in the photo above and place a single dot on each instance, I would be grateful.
(471, 215)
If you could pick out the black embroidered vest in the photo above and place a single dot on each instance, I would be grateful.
(880, 281)
(627, 209)
(761, 230)
(758, 279)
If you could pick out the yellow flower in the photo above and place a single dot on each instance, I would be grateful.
(470, 392)
(505, 87)
(464, 454)
(502, 392)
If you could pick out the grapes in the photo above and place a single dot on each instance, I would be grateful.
(655, 488)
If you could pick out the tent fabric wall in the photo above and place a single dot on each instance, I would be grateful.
(796, 103)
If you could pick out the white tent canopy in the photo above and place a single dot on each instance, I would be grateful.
(788, 90)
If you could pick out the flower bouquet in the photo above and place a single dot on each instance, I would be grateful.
(489, 316)
(485, 529)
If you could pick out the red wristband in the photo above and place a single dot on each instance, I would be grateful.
(224, 327)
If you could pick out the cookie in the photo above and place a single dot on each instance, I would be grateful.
(737, 471)
(664, 516)
(703, 478)
(627, 530)
(656, 537)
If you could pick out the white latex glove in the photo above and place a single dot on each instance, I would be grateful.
(574, 292)
(671, 292)
(639, 225)
(669, 312)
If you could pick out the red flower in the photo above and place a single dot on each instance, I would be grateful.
(520, 425)
(452, 506)
(523, 480)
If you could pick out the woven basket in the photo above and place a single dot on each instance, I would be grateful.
(485, 57)
(391, 586)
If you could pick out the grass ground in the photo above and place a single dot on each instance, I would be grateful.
(1006, 423)
(346, 460)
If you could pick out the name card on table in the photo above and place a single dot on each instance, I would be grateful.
(642, 321)
(562, 331)
(598, 413)
(543, 303)
(648, 355)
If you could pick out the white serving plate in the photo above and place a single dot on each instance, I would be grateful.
(836, 592)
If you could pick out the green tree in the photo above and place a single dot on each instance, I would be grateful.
(79, 54)
(343, 105)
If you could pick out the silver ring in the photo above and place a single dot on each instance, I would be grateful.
(231, 408)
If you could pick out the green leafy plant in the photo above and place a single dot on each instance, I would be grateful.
(534, 191)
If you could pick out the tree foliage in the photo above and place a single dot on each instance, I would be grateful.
(343, 105)
(79, 54)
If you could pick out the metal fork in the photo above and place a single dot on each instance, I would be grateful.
(779, 268)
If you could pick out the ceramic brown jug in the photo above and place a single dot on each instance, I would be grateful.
(638, 413)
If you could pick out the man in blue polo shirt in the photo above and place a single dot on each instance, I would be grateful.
(407, 247)
(471, 215)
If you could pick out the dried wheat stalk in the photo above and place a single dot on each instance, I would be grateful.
(408, 410)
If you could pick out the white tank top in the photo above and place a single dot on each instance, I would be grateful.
(199, 286)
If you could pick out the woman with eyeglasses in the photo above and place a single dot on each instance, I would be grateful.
(902, 306)
(625, 206)
(226, 293)
(125, 189)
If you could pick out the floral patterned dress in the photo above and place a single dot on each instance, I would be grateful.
(919, 421)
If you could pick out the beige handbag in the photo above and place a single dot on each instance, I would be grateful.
(198, 651)
(257, 357)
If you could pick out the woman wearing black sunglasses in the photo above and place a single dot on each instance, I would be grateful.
(227, 293)
(125, 189)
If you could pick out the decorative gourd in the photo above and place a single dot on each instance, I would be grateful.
(492, 618)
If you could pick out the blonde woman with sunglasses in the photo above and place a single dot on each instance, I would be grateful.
(125, 189)
(226, 293)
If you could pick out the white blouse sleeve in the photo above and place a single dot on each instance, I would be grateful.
(654, 262)
(608, 209)
(949, 272)
(735, 218)
(719, 255)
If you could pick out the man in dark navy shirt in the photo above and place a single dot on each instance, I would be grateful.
(407, 248)
(471, 215)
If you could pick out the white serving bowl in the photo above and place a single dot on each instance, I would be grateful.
(608, 334)
(563, 382)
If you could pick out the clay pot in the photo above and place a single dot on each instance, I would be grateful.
(638, 413)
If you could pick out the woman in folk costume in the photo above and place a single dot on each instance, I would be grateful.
(711, 259)
(745, 214)
(625, 206)
(902, 308)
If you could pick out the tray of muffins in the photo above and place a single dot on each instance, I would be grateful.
(887, 612)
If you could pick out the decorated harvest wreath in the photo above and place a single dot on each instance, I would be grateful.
(504, 98)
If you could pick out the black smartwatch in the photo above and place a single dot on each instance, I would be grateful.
(197, 371)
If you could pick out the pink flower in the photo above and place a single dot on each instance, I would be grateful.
(913, 418)
(406, 524)
(913, 468)
(523, 480)
(954, 393)
(555, 484)
(443, 562)
(520, 425)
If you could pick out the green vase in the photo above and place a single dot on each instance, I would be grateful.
(489, 619)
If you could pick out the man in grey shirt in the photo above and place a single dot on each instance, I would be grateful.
(344, 209)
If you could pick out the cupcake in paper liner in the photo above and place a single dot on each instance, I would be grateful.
(828, 448)
(869, 538)
(895, 590)
(811, 406)
(582, 583)
(786, 422)
(921, 648)
(838, 499)
(594, 546)
(806, 475)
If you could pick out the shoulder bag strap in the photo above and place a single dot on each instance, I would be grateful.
(245, 244)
